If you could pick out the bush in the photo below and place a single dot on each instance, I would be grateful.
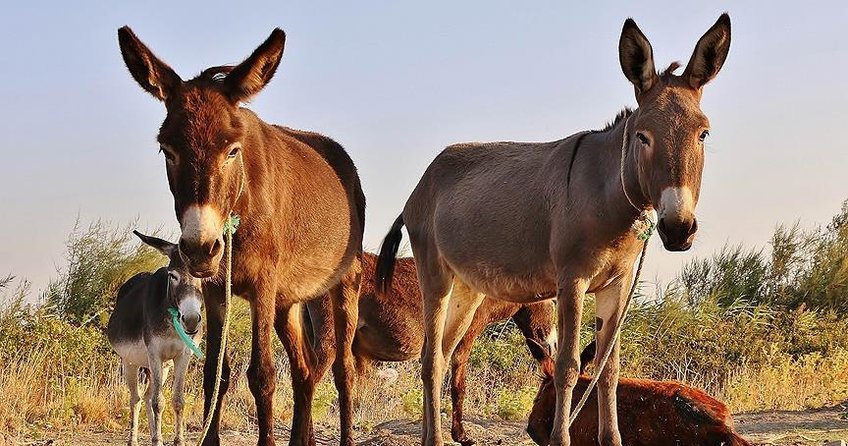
(99, 260)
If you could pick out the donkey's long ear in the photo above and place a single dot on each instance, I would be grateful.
(165, 247)
(710, 54)
(151, 73)
(250, 76)
(537, 350)
(637, 58)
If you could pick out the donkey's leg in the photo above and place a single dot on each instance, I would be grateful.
(213, 297)
(178, 397)
(131, 375)
(261, 373)
(570, 295)
(290, 331)
(345, 317)
(459, 364)
(324, 335)
(463, 304)
(436, 287)
(610, 305)
(148, 400)
(155, 399)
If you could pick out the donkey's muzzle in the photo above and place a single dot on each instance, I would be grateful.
(202, 259)
(677, 235)
(191, 323)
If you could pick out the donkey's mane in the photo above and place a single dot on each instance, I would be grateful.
(621, 116)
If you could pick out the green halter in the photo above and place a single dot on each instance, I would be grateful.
(189, 342)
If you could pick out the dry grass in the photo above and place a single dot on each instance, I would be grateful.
(809, 382)
(39, 396)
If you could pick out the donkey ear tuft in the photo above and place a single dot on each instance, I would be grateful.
(636, 57)
(165, 247)
(154, 76)
(710, 54)
(249, 77)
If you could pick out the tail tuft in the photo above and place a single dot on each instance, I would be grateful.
(386, 259)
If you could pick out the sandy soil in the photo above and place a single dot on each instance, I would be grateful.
(781, 428)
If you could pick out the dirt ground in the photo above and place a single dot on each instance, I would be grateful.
(781, 428)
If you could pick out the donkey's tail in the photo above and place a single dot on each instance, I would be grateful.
(386, 259)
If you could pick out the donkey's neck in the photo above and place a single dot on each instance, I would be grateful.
(602, 160)
(265, 168)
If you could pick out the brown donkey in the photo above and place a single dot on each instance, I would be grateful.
(302, 215)
(652, 413)
(390, 328)
(512, 220)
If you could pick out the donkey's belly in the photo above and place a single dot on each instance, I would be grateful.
(502, 283)
(136, 352)
(133, 352)
(386, 343)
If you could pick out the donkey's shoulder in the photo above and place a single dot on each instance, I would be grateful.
(336, 157)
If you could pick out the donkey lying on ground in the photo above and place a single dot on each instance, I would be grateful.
(390, 329)
(650, 413)
(141, 332)
(511, 220)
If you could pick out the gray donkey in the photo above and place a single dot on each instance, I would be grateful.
(141, 331)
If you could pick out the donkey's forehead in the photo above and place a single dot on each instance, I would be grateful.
(674, 106)
(200, 117)
(185, 279)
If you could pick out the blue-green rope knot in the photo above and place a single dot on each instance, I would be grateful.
(232, 224)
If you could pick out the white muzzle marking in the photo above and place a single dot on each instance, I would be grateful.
(676, 203)
(190, 305)
(201, 223)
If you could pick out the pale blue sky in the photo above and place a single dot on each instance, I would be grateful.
(395, 83)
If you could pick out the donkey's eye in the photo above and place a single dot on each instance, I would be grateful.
(169, 155)
(642, 138)
(234, 152)
(704, 135)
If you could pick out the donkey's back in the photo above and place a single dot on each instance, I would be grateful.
(125, 330)
(501, 187)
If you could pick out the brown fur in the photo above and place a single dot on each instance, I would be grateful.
(302, 215)
(391, 329)
(650, 413)
(501, 219)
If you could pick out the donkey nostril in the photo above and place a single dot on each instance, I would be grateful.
(215, 248)
(661, 225)
(694, 227)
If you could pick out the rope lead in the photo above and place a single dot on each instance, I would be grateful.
(229, 228)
